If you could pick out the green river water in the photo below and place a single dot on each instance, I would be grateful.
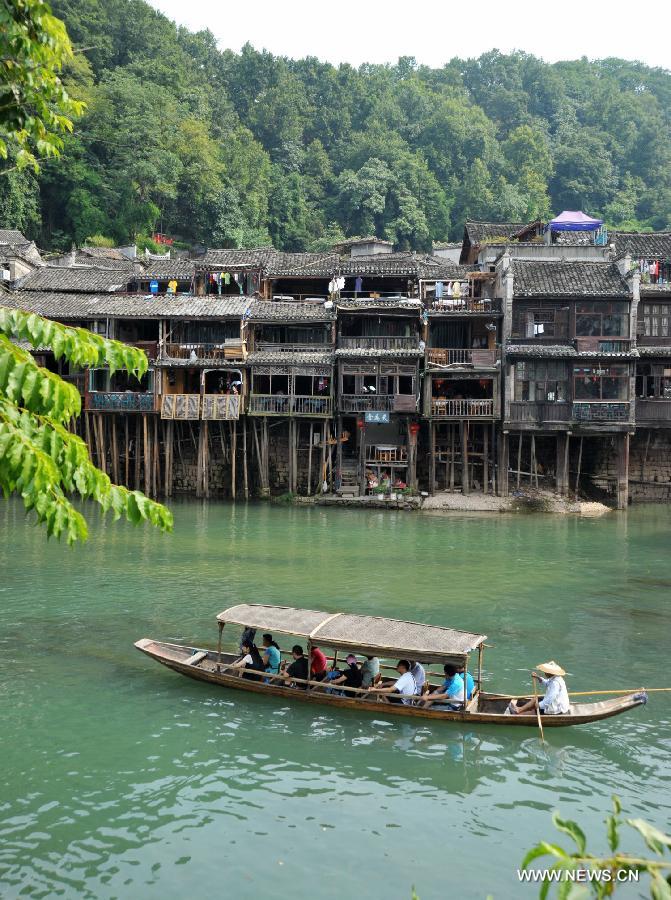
(121, 779)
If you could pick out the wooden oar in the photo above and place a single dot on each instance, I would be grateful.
(623, 691)
(538, 709)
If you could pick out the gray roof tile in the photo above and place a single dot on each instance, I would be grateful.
(363, 353)
(289, 358)
(122, 306)
(86, 279)
(568, 279)
(12, 236)
(276, 311)
(653, 245)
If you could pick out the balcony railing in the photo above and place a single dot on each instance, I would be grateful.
(220, 406)
(654, 412)
(462, 409)
(289, 405)
(466, 305)
(439, 357)
(601, 411)
(536, 413)
(356, 403)
(224, 350)
(386, 453)
(288, 347)
(121, 401)
(382, 342)
(180, 406)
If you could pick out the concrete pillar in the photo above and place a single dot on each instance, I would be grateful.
(623, 470)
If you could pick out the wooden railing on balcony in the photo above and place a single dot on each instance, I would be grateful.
(382, 342)
(386, 453)
(225, 350)
(121, 401)
(601, 411)
(270, 347)
(356, 403)
(180, 406)
(462, 409)
(537, 413)
(289, 405)
(653, 412)
(466, 305)
(220, 406)
(448, 357)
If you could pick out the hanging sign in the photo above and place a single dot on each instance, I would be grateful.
(376, 417)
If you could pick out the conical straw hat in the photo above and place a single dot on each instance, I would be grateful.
(551, 668)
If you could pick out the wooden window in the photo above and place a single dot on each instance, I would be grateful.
(656, 319)
(599, 319)
(600, 382)
(542, 381)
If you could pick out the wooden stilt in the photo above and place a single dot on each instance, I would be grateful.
(234, 454)
(138, 442)
(126, 480)
(432, 470)
(147, 456)
(312, 428)
(199, 463)
(169, 453)
(485, 459)
(533, 470)
(322, 470)
(504, 464)
(465, 487)
(205, 429)
(157, 459)
(519, 460)
(87, 431)
(623, 471)
(245, 481)
(115, 452)
(266, 456)
(577, 476)
(494, 479)
(452, 454)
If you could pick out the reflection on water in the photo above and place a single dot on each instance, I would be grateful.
(121, 779)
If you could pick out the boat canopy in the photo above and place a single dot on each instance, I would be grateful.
(369, 635)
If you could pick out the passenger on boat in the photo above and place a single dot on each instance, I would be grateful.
(318, 664)
(470, 682)
(418, 673)
(350, 678)
(370, 671)
(271, 656)
(556, 701)
(250, 660)
(404, 685)
(451, 694)
(247, 636)
(297, 669)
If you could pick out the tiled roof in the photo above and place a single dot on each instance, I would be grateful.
(12, 236)
(275, 311)
(555, 351)
(648, 290)
(83, 278)
(181, 268)
(382, 304)
(236, 259)
(481, 232)
(654, 245)
(447, 245)
(168, 363)
(315, 265)
(93, 306)
(567, 279)
(653, 351)
(574, 238)
(361, 353)
(297, 358)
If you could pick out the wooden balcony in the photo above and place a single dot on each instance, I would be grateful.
(601, 411)
(180, 406)
(653, 413)
(270, 347)
(223, 407)
(205, 353)
(358, 403)
(462, 409)
(387, 453)
(289, 405)
(120, 401)
(461, 305)
(217, 407)
(382, 342)
(538, 413)
(436, 356)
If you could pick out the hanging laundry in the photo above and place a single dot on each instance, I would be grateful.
(227, 277)
(172, 286)
(439, 290)
(456, 289)
(358, 284)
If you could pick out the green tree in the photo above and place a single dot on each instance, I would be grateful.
(35, 107)
(41, 460)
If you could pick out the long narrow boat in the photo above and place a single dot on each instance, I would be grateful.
(369, 636)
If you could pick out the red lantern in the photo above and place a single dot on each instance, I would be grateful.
(360, 424)
(414, 428)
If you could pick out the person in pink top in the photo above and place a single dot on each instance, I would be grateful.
(318, 664)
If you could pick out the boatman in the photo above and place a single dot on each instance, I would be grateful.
(556, 701)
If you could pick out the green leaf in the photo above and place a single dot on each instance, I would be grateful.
(617, 806)
(653, 837)
(613, 831)
(534, 853)
(573, 830)
(659, 887)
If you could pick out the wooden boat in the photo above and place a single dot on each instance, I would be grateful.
(370, 636)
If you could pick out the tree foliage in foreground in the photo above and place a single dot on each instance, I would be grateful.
(41, 460)
(35, 106)
(657, 869)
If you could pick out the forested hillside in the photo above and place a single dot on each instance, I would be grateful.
(242, 149)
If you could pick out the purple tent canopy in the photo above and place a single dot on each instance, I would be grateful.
(574, 220)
